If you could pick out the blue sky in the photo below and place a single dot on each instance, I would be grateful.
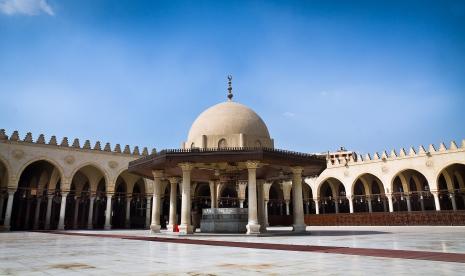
(368, 75)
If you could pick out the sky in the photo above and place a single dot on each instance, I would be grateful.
(366, 75)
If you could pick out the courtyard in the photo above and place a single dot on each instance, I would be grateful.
(322, 250)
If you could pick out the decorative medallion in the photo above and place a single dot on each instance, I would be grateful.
(112, 164)
(429, 163)
(69, 159)
(17, 153)
(346, 173)
(384, 169)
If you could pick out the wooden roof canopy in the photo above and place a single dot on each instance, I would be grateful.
(209, 164)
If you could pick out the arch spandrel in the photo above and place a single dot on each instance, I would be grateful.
(37, 159)
(109, 185)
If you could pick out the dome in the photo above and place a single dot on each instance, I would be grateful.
(228, 118)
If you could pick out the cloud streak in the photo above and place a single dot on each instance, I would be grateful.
(25, 7)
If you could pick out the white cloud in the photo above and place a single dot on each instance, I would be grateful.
(288, 114)
(27, 7)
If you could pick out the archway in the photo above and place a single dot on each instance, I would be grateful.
(369, 196)
(118, 219)
(228, 197)
(36, 188)
(98, 218)
(307, 195)
(202, 200)
(332, 197)
(276, 205)
(451, 187)
(411, 192)
(139, 208)
(3, 190)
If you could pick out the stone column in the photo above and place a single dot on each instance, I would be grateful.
(61, 222)
(172, 219)
(298, 204)
(436, 200)
(108, 212)
(351, 204)
(336, 206)
(90, 218)
(391, 205)
(422, 203)
(28, 210)
(147, 212)
(370, 206)
(252, 226)
(452, 199)
(213, 199)
(409, 203)
(49, 211)
(384, 205)
(76, 212)
(261, 206)
(2, 202)
(287, 201)
(9, 206)
(266, 214)
(128, 212)
(186, 226)
(37, 214)
(317, 206)
(156, 206)
(307, 207)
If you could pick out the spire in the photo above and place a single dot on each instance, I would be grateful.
(230, 95)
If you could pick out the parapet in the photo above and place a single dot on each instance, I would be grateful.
(14, 137)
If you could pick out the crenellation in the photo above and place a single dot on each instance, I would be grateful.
(453, 145)
(384, 155)
(127, 150)
(76, 143)
(28, 138)
(431, 148)
(367, 157)
(86, 144)
(411, 152)
(402, 152)
(154, 151)
(393, 154)
(136, 151)
(3, 135)
(463, 144)
(421, 150)
(107, 147)
(442, 147)
(145, 151)
(375, 156)
(64, 142)
(53, 140)
(98, 146)
(41, 139)
(14, 136)
(117, 148)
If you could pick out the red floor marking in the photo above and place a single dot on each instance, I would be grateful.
(369, 252)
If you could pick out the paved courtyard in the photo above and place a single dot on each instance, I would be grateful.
(326, 251)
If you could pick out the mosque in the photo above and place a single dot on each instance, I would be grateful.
(228, 162)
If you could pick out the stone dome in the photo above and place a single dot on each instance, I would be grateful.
(228, 119)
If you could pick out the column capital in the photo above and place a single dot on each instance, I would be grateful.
(297, 170)
(157, 174)
(252, 164)
(186, 166)
(174, 180)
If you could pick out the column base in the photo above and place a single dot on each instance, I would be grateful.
(253, 229)
(299, 228)
(185, 229)
(170, 228)
(90, 227)
(4, 228)
(61, 227)
(155, 228)
(107, 227)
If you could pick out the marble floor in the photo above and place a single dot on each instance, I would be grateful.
(34, 253)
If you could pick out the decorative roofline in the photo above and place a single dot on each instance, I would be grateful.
(28, 139)
(393, 155)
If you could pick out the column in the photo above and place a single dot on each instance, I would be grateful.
(128, 211)
(317, 206)
(173, 188)
(298, 204)
(436, 200)
(28, 209)
(186, 226)
(409, 203)
(260, 206)
(108, 213)
(422, 203)
(252, 226)
(214, 201)
(49, 211)
(61, 222)
(391, 205)
(76, 212)
(156, 206)
(37, 214)
(351, 204)
(370, 206)
(90, 218)
(147, 212)
(265, 215)
(384, 204)
(452, 199)
(2, 201)
(307, 207)
(287, 201)
(336, 205)
(9, 206)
